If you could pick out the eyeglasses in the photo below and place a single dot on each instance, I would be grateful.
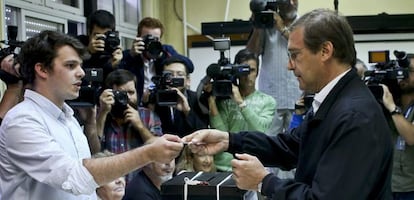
(293, 54)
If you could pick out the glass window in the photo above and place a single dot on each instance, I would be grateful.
(35, 25)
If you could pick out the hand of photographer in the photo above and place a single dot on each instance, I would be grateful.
(97, 43)
(182, 103)
(132, 116)
(138, 46)
(387, 99)
(106, 100)
(236, 96)
(9, 65)
(116, 57)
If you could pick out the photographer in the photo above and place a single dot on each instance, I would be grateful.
(248, 109)
(147, 54)
(120, 126)
(185, 116)
(102, 42)
(402, 114)
(271, 43)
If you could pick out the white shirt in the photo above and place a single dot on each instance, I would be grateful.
(149, 72)
(41, 153)
(321, 95)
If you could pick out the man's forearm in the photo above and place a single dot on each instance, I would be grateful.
(104, 170)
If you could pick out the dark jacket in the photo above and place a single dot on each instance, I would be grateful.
(343, 152)
(141, 188)
(182, 125)
(135, 64)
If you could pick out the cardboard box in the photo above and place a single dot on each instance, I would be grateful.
(176, 189)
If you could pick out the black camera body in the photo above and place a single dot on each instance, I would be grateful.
(13, 47)
(223, 73)
(161, 94)
(263, 12)
(224, 76)
(120, 105)
(91, 84)
(387, 72)
(112, 41)
(153, 47)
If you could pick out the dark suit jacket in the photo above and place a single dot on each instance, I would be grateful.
(182, 125)
(344, 152)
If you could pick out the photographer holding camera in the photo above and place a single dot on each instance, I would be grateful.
(147, 53)
(271, 20)
(120, 126)
(248, 109)
(102, 41)
(177, 105)
(402, 114)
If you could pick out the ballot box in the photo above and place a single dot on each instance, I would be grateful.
(201, 186)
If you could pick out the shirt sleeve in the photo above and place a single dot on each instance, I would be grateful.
(33, 150)
(260, 121)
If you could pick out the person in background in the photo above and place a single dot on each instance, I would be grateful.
(144, 63)
(191, 162)
(114, 190)
(402, 120)
(43, 145)
(121, 124)
(105, 49)
(343, 148)
(247, 109)
(186, 116)
(274, 77)
(146, 185)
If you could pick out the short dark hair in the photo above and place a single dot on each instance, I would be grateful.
(322, 25)
(42, 48)
(119, 77)
(245, 55)
(100, 18)
(150, 22)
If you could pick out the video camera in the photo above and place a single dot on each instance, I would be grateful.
(223, 73)
(13, 47)
(387, 72)
(112, 41)
(153, 47)
(161, 93)
(120, 105)
(91, 84)
(263, 11)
